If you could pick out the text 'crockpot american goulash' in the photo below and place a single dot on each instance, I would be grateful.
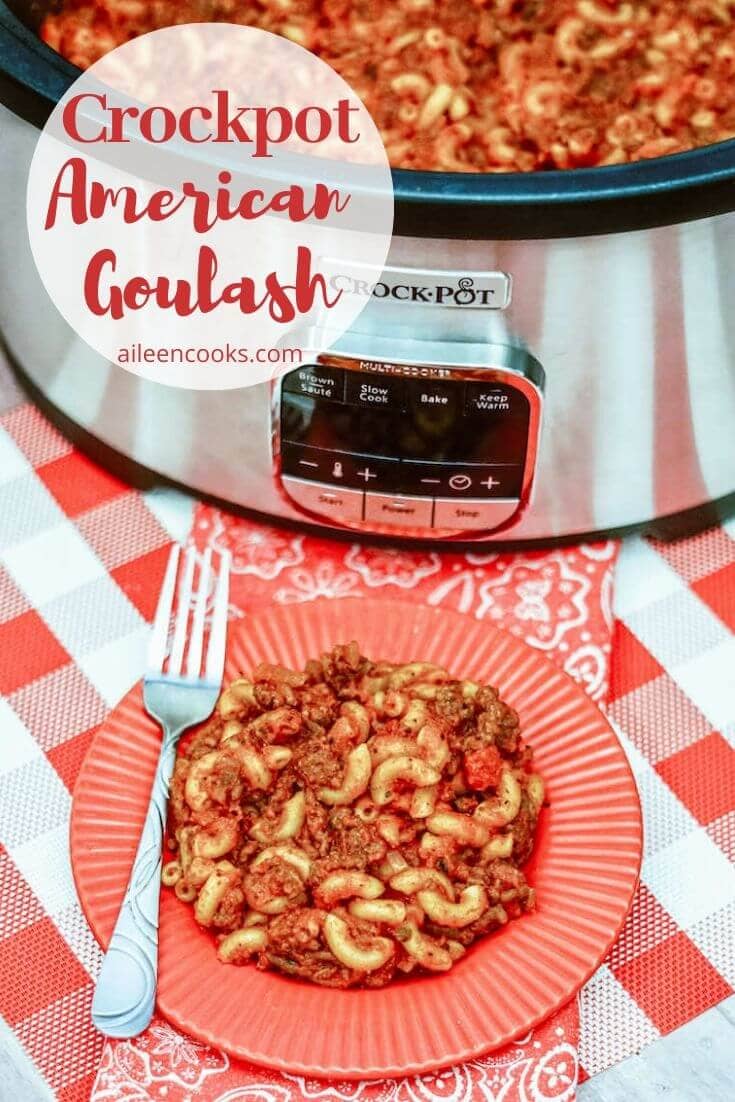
(485, 85)
(354, 822)
(260, 128)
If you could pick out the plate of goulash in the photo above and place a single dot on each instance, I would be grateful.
(402, 839)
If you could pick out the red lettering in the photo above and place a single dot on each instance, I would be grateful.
(302, 124)
(206, 271)
(101, 197)
(158, 123)
(280, 308)
(224, 123)
(76, 193)
(343, 109)
(147, 124)
(185, 124)
(162, 205)
(137, 292)
(307, 284)
(92, 276)
(284, 301)
(263, 135)
(69, 117)
(325, 199)
(242, 294)
(118, 116)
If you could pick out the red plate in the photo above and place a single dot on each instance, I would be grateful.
(585, 866)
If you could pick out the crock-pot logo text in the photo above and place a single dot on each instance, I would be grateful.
(78, 194)
(462, 293)
(479, 290)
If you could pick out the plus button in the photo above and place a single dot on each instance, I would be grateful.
(490, 482)
(367, 474)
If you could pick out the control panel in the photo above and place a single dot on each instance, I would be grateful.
(424, 448)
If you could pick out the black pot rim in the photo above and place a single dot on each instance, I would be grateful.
(678, 188)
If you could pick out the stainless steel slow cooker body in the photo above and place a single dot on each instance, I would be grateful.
(612, 320)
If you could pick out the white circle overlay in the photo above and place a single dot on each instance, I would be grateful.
(200, 200)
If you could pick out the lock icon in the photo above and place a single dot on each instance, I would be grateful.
(337, 470)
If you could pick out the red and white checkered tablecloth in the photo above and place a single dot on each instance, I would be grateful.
(78, 553)
(672, 699)
(81, 558)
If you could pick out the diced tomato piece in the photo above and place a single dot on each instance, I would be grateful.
(482, 768)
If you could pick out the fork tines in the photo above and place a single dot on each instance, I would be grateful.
(188, 601)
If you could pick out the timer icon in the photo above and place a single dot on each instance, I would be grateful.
(460, 482)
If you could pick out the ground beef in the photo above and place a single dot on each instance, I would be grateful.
(484, 85)
(291, 797)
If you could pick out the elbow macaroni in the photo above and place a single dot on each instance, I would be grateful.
(288, 824)
(401, 769)
(424, 950)
(239, 946)
(471, 906)
(528, 101)
(340, 840)
(367, 955)
(356, 779)
(345, 885)
(504, 807)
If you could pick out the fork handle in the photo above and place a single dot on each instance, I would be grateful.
(125, 995)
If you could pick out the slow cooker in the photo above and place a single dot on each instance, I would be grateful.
(545, 355)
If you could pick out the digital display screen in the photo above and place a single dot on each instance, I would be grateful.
(417, 425)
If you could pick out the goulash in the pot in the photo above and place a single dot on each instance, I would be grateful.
(485, 85)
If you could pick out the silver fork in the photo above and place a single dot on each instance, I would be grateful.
(125, 995)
